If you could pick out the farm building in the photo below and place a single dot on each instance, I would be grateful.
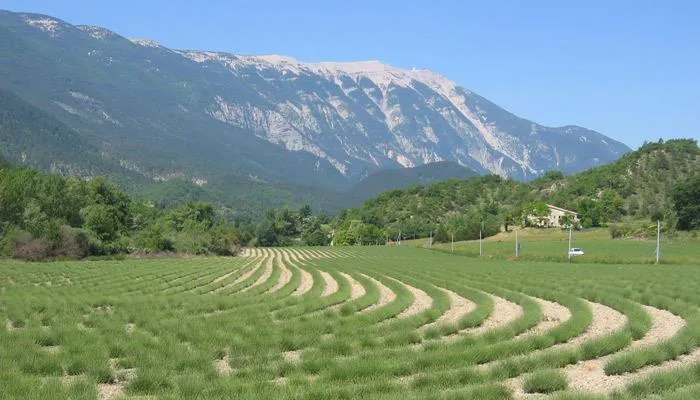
(556, 217)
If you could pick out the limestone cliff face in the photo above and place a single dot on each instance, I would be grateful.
(146, 105)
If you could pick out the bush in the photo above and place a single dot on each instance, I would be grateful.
(153, 239)
(9, 241)
(616, 232)
(72, 243)
(545, 381)
(28, 248)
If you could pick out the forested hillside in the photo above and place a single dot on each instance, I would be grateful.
(47, 216)
(655, 182)
(640, 184)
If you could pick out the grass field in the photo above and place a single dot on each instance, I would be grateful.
(373, 322)
(552, 244)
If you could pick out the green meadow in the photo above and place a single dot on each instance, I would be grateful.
(552, 245)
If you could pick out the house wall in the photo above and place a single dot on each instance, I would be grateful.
(553, 220)
(556, 215)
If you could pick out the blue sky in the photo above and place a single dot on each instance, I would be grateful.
(628, 69)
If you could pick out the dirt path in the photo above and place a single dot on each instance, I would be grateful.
(386, 295)
(243, 277)
(356, 289)
(421, 302)
(266, 275)
(605, 320)
(294, 256)
(222, 277)
(308, 254)
(504, 312)
(303, 256)
(331, 285)
(553, 315)
(324, 254)
(589, 375)
(459, 307)
(285, 274)
(307, 282)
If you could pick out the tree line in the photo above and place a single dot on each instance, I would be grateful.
(50, 216)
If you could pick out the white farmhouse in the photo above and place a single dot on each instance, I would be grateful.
(556, 217)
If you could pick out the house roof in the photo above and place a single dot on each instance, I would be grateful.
(562, 209)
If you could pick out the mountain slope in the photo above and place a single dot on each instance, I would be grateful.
(144, 106)
(270, 116)
(368, 115)
(390, 179)
(31, 137)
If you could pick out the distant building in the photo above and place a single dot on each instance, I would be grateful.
(556, 217)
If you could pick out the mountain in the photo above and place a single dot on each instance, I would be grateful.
(204, 116)
(390, 179)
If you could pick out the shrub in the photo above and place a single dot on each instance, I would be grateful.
(72, 243)
(616, 232)
(9, 240)
(545, 381)
(28, 248)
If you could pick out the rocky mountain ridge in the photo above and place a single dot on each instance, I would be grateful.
(202, 115)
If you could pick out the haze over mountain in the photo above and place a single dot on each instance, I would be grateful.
(204, 116)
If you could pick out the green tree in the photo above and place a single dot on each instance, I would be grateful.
(102, 220)
(535, 214)
(611, 206)
(305, 211)
(36, 222)
(589, 212)
(686, 203)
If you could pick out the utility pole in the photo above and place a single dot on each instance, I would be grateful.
(658, 240)
(481, 247)
(568, 251)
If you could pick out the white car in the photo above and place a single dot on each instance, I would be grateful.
(575, 251)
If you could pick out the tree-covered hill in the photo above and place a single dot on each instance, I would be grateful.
(639, 185)
(649, 183)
